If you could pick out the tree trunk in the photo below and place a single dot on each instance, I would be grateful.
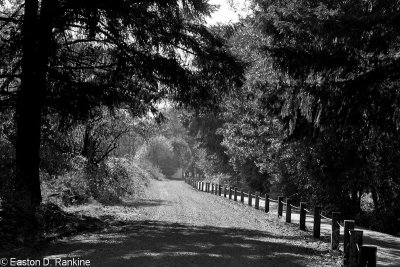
(87, 143)
(375, 199)
(27, 185)
(36, 34)
(355, 201)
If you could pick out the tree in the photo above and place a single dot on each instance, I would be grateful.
(160, 152)
(319, 105)
(77, 56)
(317, 113)
(209, 155)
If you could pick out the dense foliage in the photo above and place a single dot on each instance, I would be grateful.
(73, 73)
(317, 115)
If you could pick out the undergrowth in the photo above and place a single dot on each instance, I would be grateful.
(107, 183)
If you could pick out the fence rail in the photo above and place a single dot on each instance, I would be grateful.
(355, 253)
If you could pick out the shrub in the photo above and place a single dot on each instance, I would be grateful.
(72, 187)
(148, 169)
(108, 182)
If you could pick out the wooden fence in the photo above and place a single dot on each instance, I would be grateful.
(355, 253)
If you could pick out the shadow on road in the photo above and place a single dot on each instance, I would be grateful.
(153, 243)
(142, 203)
(389, 249)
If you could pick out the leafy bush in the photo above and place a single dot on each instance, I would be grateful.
(148, 170)
(107, 182)
(117, 178)
(72, 187)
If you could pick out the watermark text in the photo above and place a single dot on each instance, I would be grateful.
(62, 262)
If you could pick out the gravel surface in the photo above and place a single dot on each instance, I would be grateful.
(176, 225)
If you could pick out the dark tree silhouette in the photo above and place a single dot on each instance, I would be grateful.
(79, 55)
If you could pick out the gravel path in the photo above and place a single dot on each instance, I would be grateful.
(176, 225)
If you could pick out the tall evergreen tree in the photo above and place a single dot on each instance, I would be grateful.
(79, 55)
(324, 79)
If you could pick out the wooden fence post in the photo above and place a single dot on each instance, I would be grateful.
(280, 206)
(224, 190)
(217, 190)
(257, 201)
(356, 237)
(220, 190)
(266, 207)
(235, 195)
(288, 211)
(250, 200)
(348, 225)
(242, 196)
(335, 234)
(368, 256)
(212, 188)
(230, 192)
(303, 215)
(317, 222)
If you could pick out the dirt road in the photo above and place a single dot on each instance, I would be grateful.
(179, 226)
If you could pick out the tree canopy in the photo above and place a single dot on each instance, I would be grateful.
(301, 97)
(70, 58)
(317, 115)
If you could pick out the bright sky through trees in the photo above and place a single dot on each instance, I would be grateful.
(229, 11)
